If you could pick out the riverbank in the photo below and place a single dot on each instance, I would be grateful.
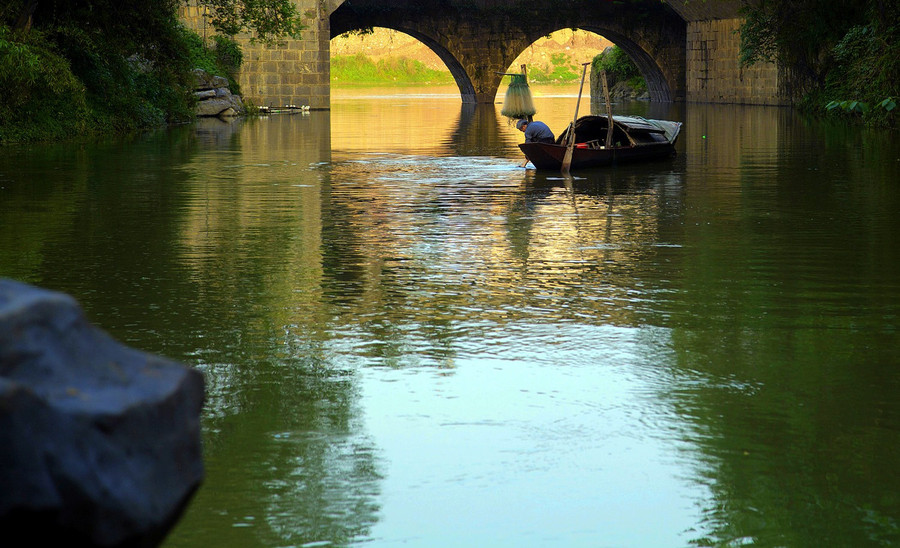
(65, 82)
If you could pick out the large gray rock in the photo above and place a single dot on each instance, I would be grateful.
(217, 106)
(99, 443)
(213, 96)
(205, 80)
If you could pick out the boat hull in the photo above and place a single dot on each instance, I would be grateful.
(547, 156)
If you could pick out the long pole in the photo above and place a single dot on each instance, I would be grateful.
(609, 118)
(530, 117)
(570, 146)
(525, 74)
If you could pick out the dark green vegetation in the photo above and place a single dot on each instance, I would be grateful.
(619, 68)
(79, 67)
(844, 58)
(360, 69)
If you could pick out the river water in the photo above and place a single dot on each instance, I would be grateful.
(409, 340)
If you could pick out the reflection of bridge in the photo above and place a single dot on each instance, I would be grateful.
(686, 50)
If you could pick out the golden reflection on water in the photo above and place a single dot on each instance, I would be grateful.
(433, 121)
(387, 184)
(257, 196)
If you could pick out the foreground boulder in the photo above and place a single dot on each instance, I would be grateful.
(99, 443)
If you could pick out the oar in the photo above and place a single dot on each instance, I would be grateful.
(570, 146)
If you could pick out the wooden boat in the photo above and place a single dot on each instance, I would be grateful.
(633, 139)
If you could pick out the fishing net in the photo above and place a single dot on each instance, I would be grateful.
(518, 102)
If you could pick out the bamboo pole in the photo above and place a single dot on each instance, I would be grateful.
(609, 118)
(530, 117)
(570, 146)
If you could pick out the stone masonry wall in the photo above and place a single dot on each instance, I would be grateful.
(714, 74)
(295, 72)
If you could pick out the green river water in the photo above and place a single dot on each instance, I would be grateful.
(408, 340)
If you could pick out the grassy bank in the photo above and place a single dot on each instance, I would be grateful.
(361, 70)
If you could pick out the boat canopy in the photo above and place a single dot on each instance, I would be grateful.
(626, 129)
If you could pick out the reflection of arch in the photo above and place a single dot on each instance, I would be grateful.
(478, 129)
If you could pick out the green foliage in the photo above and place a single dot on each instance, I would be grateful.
(228, 54)
(76, 67)
(798, 35)
(866, 71)
(848, 106)
(39, 86)
(228, 58)
(125, 89)
(619, 68)
(199, 56)
(223, 59)
(69, 81)
(267, 20)
(30, 66)
(360, 69)
(845, 57)
(560, 70)
(759, 40)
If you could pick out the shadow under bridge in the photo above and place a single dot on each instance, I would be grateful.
(478, 40)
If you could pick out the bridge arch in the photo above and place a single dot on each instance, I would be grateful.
(466, 88)
(479, 39)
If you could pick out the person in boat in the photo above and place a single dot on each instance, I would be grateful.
(535, 132)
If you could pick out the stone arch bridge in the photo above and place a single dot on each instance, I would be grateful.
(686, 50)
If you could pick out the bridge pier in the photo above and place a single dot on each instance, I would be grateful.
(714, 72)
(295, 72)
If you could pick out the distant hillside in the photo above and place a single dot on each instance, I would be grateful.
(556, 58)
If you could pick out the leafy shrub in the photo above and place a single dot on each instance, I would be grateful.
(228, 54)
(619, 68)
(224, 58)
(39, 87)
(228, 57)
(846, 59)
(65, 80)
(863, 80)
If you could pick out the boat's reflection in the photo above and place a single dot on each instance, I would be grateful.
(604, 181)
